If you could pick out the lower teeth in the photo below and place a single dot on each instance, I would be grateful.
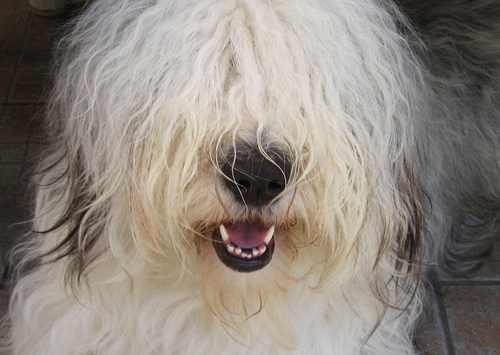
(248, 254)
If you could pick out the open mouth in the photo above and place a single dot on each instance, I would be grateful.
(245, 246)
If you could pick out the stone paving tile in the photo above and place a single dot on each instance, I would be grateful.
(14, 132)
(12, 152)
(9, 173)
(5, 77)
(15, 207)
(37, 51)
(13, 203)
(430, 336)
(9, 50)
(28, 83)
(474, 318)
(14, 14)
(18, 114)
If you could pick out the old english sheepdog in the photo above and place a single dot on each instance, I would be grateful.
(260, 176)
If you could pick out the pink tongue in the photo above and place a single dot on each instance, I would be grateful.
(246, 235)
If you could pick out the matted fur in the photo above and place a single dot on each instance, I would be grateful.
(390, 126)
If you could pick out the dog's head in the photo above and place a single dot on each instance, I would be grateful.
(247, 147)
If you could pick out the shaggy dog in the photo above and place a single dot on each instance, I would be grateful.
(260, 176)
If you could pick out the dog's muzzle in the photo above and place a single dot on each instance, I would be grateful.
(256, 181)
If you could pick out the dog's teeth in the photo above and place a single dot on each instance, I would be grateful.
(237, 251)
(223, 233)
(244, 255)
(230, 248)
(262, 250)
(249, 256)
(269, 235)
(255, 252)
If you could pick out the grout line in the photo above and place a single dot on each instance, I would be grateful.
(17, 62)
(3, 109)
(469, 282)
(24, 103)
(443, 320)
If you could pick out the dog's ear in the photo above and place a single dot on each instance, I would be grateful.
(76, 215)
(409, 238)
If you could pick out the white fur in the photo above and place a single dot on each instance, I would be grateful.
(152, 95)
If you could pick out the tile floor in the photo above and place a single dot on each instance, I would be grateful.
(462, 315)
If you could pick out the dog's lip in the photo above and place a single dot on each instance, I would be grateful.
(256, 250)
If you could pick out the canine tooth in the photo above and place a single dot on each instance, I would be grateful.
(269, 235)
(237, 251)
(223, 233)
(255, 252)
(230, 248)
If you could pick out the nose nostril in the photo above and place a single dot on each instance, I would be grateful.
(243, 185)
(275, 187)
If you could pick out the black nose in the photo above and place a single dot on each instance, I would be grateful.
(254, 179)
